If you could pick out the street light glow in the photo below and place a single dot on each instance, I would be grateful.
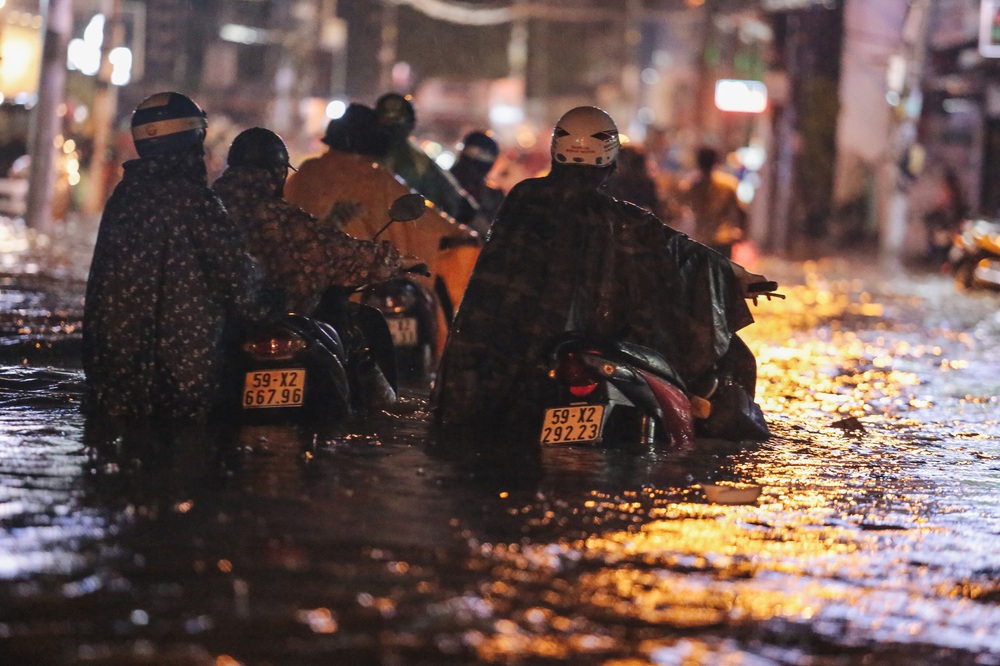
(505, 115)
(740, 95)
(242, 34)
(84, 55)
(335, 109)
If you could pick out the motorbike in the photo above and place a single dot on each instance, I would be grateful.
(604, 392)
(418, 316)
(410, 311)
(974, 255)
(326, 367)
(419, 310)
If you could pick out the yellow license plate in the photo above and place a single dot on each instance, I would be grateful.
(274, 388)
(404, 331)
(563, 425)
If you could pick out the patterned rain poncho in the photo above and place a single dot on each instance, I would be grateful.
(300, 253)
(169, 285)
(560, 258)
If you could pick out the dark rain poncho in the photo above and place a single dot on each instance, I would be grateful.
(168, 285)
(561, 258)
(423, 174)
(298, 252)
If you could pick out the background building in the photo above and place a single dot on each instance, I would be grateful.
(822, 162)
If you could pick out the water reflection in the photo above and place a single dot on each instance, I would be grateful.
(874, 528)
(874, 538)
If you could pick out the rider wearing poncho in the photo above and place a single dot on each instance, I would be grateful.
(299, 252)
(170, 283)
(563, 255)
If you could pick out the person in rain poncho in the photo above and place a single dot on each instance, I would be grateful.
(478, 154)
(403, 157)
(345, 185)
(170, 283)
(563, 255)
(300, 253)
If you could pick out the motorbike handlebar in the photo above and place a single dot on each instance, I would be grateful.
(417, 268)
(755, 290)
(761, 287)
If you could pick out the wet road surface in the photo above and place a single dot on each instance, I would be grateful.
(875, 538)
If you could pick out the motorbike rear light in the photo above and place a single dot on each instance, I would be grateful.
(574, 373)
(275, 345)
(395, 303)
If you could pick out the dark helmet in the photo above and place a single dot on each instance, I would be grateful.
(396, 111)
(167, 122)
(357, 131)
(480, 146)
(258, 148)
(706, 158)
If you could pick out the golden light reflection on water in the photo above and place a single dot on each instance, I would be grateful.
(850, 536)
(827, 372)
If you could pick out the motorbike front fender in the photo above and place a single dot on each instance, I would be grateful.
(675, 409)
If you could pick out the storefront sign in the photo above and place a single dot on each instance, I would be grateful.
(792, 5)
(740, 95)
(989, 29)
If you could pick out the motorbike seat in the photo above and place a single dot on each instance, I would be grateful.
(642, 358)
(648, 360)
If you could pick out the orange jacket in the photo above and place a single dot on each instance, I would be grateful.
(349, 179)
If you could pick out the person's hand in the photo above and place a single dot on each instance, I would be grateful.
(414, 265)
(755, 285)
(342, 212)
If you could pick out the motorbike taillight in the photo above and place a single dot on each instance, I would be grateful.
(392, 302)
(274, 345)
(573, 372)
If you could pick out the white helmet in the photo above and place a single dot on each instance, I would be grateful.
(585, 135)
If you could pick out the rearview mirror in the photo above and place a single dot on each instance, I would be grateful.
(407, 207)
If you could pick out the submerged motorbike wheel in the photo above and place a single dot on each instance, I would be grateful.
(410, 312)
(629, 429)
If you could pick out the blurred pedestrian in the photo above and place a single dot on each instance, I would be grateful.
(710, 197)
(632, 181)
(945, 217)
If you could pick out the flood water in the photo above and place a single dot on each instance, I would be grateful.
(875, 538)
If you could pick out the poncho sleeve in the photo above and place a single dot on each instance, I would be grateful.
(684, 297)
